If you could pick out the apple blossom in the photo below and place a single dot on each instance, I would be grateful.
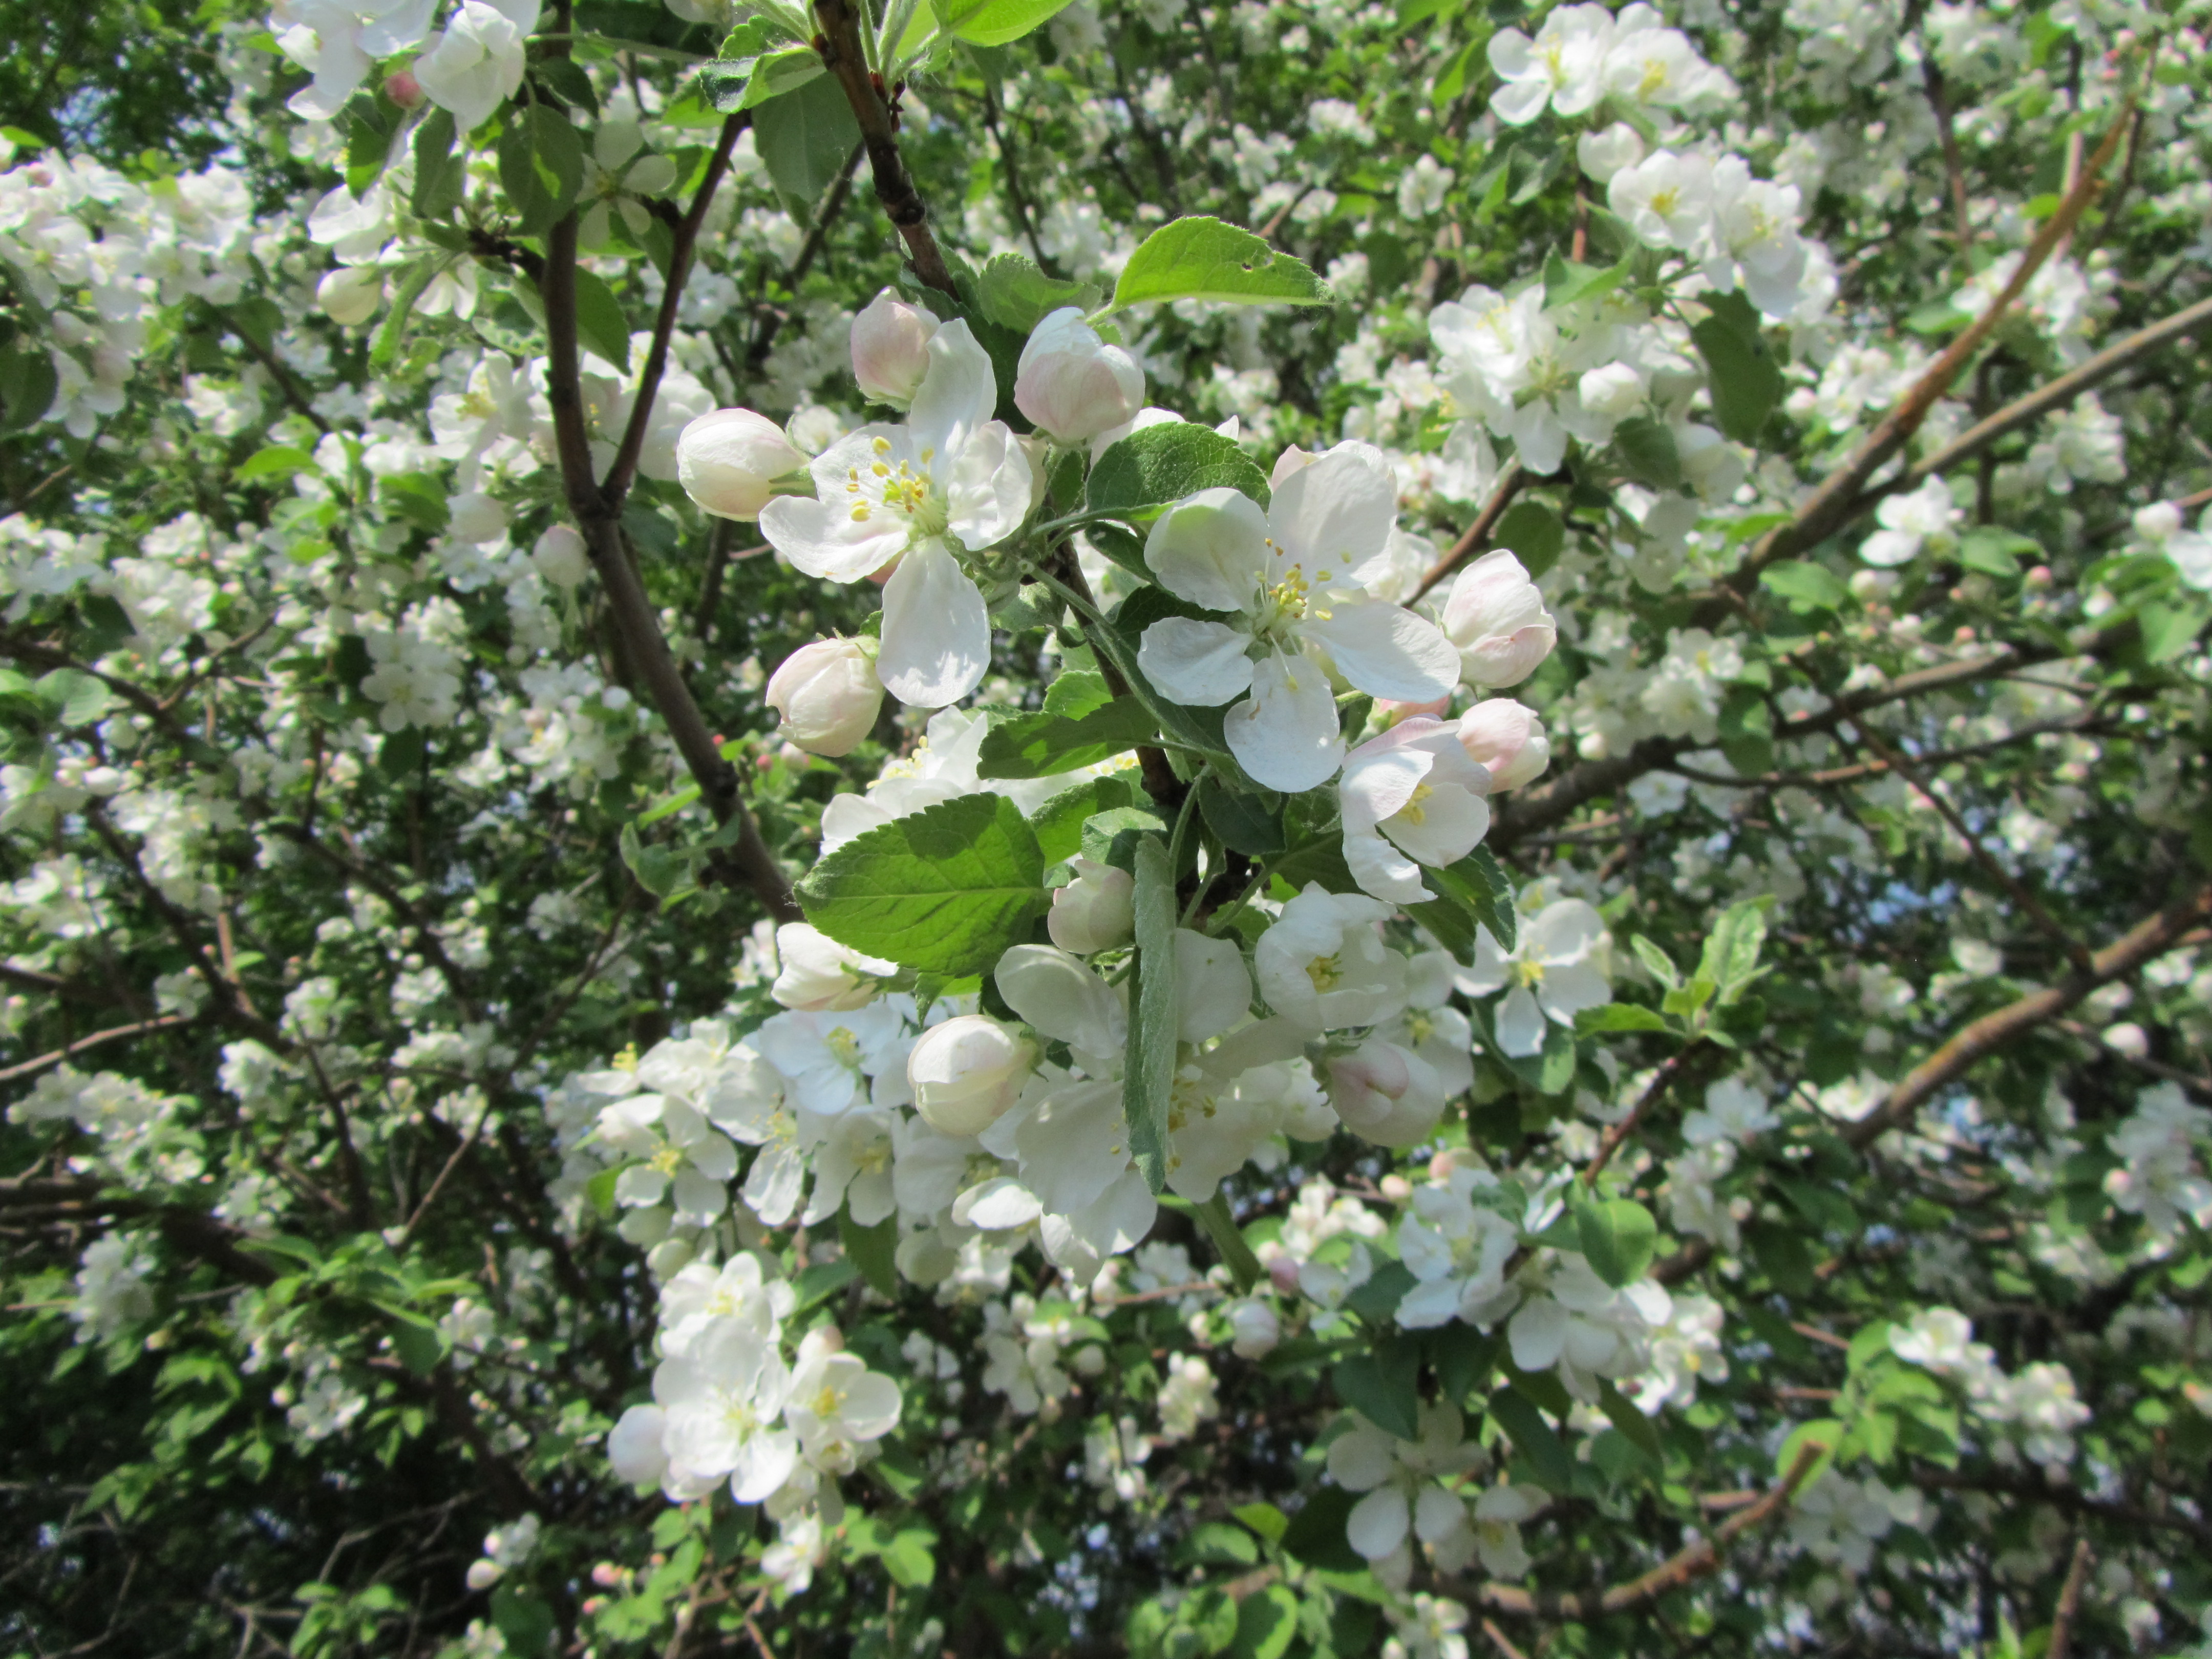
(1495, 616)
(729, 461)
(476, 63)
(1553, 970)
(828, 693)
(1073, 385)
(1095, 911)
(968, 1072)
(350, 295)
(1408, 798)
(1323, 963)
(1507, 740)
(819, 975)
(891, 349)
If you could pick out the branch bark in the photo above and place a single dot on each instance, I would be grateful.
(845, 59)
(1510, 483)
(1685, 1567)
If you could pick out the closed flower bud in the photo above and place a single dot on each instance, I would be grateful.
(1094, 912)
(404, 89)
(1257, 1329)
(476, 517)
(891, 349)
(817, 974)
(968, 1072)
(1507, 740)
(483, 1575)
(350, 294)
(1072, 383)
(828, 693)
(729, 461)
(1497, 618)
(560, 558)
(1385, 1093)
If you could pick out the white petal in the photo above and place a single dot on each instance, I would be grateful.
(1520, 1023)
(1286, 735)
(1210, 549)
(1386, 650)
(1197, 664)
(823, 539)
(1564, 931)
(1361, 1460)
(700, 1199)
(937, 635)
(1377, 1523)
(1382, 870)
(765, 1463)
(1538, 1333)
(1214, 990)
(988, 492)
(1489, 971)
(957, 394)
(1437, 1514)
(1335, 513)
(1566, 991)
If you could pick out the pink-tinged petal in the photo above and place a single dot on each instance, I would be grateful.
(988, 492)
(1335, 513)
(936, 634)
(1201, 665)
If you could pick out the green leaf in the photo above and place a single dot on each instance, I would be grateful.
(1566, 283)
(441, 176)
(1805, 586)
(567, 80)
(1038, 746)
(1534, 533)
(1216, 1543)
(910, 1557)
(1315, 1534)
(1161, 465)
(1619, 1238)
(804, 136)
(28, 384)
(1780, 1253)
(1462, 1358)
(1825, 1433)
(1660, 964)
(1013, 291)
(1265, 1519)
(1242, 821)
(871, 1249)
(1730, 959)
(944, 890)
(1378, 1298)
(600, 323)
(276, 461)
(1619, 1017)
(1113, 836)
(1203, 259)
(1743, 378)
(76, 698)
(370, 120)
(1148, 1080)
(994, 22)
(1382, 1385)
(384, 350)
(750, 82)
(1534, 1439)
(1059, 823)
(525, 1623)
(1648, 450)
(1996, 552)
(416, 1341)
(1267, 1624)
(1479, 883)
(558, 152)
(1633, 1425)
(821, 1281)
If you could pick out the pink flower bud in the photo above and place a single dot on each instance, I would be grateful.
(1497, 618)
(1283, 1274)
(1072, 383)
(1385, 1093)
(1507, 740)
(891, 349)
(1096, 911)
(1257, 1330)
(828, 693)
(729, 461)
(968, 1072)
(1390, 711)
(404, 89)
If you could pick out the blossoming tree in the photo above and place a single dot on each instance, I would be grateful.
(1028, 827)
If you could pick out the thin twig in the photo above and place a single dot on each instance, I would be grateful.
(846, 59)
(1510, 483)
(1661, 1080)
(113, 1034)
(2069, 1602)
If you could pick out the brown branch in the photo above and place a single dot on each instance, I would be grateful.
(616, 483)
(1685, 1567)
(2069, 1602)
(53, 984)
(1836, 501)
(1661, 1080)
(1510, 483)
(112, 1034)
(2021, 893)
(1834, 776)
(631, 609)
(845, 58)
(1953, 166)
(1500, 1641)
(2148, 940)
(287, 386)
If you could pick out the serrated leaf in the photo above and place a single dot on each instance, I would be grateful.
(1730, 959)
(1203, 259)
(600, 323)
(440, 176)
(1159, 466)
(1662, 965)
(994, 22)
(1619, 1238)
(1996, 552)
(1014, 292)
(1038, 746)
(1242, 821)
(1806, 586)
(803, 136)
(1112, 837)
(1635, 1427)
(384, 350)
(1059, 823)
(1148, 1078)
(76, 698)
(944, 890)
(1479, 883)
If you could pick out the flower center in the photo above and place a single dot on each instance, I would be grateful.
(880, 486)
(668, 1160)
(1413, 811)
(1529, 973)
(845, 1046)
(1325, 972)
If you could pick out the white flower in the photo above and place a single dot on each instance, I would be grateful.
(1667, 199)
(891, 349)
(1421, 190)
(1604, 153)
(111, 1288)
(1554, 972)
(1385, 1092)
(1734, 1111)
(1402, 1480)
(1507, 740)
(1186, 1398)
(837, 1405)
(1910, 521)
(560, 557)
(828, 693)
(2159, 1179)
(1686, 1348)
(620, 173)
(1583, 1327)
(1292, 578)
(1323, 963)
(821, 975)
(1456, 1246)
(1408, 798)
(968, 1072)
(681, 1156)
(1495, 617)
(1257, 1330)
(1094, 912)
(634, 1446)
(1660, 66)
(1498, 1514)
(1071, 384)
(952, 477)
(475, 64)
(350, 295)
(2159, 529)
(1563, 67)
(829, 1057)
(721, 1405)
(698, 1298)
(728, 462)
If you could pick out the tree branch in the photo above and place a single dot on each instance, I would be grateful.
(616, 483)
(2069, 1602)
(845, 59)
(1685, 1567)
(1510, 483)
(112, 1034)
